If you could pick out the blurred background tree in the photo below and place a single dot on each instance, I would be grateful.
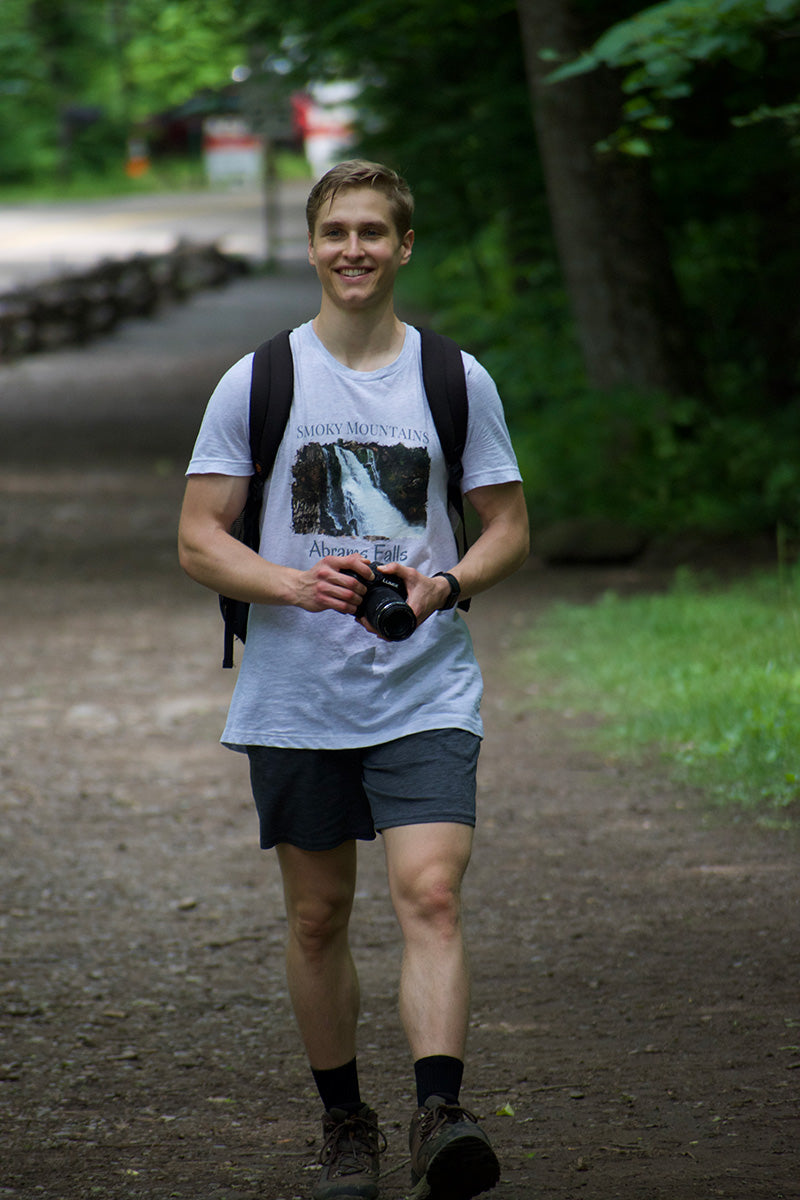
(77, 76)
(614, 242)
(607, 205)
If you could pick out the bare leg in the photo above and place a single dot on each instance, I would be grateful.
(426, 864)
(318, 888)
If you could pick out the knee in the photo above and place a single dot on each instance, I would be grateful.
(315, 923)
(430, 900)
(318, 893)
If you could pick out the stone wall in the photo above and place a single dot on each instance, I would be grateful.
(76, 307)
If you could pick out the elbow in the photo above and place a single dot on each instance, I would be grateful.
(519, 530)
(187, 557)
(520, 556)
(194, 546)
(185, 562)
(525, 547)
(521, 539)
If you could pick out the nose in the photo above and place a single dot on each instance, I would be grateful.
(353, 249)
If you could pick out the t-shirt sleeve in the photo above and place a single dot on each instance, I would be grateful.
(223, 443)
(488, 455)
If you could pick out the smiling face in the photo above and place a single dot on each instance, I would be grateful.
(356, 249)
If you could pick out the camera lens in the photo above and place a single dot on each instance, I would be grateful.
(384, 606)
(394, 621)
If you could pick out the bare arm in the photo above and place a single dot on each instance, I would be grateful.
(501, 548)
(504, 541)
(211, 556)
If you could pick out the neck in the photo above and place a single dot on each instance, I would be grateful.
(362, 341)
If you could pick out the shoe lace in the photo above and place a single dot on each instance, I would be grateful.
(352, 1145)
(443, 1114)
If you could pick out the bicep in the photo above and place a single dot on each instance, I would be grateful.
(212, 503)
(502, 503)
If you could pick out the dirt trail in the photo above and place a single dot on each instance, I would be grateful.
(636, 1030)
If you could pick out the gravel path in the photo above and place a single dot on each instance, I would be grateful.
(636, 1031)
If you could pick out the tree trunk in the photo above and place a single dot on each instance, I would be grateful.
(629, 315)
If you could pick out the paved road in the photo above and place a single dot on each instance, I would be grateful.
(41, 240)
(140, 392)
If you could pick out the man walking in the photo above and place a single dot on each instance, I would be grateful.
(348, 733)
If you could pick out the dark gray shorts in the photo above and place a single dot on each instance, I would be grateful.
(318, 799)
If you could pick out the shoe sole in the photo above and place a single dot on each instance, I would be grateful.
(349, 1195)
(356, 1191)
(462, 1169)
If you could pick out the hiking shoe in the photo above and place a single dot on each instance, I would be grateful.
(451, 1156)
(350, 1156)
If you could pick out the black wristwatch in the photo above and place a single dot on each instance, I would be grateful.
(455, 590)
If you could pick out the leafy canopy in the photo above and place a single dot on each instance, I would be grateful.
(177, 49)
(660, 48)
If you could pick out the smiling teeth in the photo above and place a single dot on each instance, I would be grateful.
(353, 272)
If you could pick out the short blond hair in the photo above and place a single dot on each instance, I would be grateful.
(358, 173)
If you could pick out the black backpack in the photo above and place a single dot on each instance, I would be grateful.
(271, 389)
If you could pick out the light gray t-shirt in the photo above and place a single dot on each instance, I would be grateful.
(360, 469)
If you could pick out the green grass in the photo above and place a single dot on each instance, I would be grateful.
(707, 675)
(170, 175)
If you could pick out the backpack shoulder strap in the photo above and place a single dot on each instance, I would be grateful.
(446, 389)
(271, 389)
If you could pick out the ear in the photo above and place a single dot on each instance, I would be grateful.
(407, 245)
(311, 251)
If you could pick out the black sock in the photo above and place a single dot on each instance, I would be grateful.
(338, 1087)
(438, 1075)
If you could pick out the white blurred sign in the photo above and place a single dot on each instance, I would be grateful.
(326, 115)
(231, 151)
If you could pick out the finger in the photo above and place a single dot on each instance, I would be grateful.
(360, 567)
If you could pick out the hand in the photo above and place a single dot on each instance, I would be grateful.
(325, 586)
(426, 595)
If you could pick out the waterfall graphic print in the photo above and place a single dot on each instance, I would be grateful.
(349, 489)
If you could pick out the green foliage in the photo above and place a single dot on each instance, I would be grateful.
(518, 326)
(493, 283)
(660, 48)
(26, 133)
(708, 675)
(661, 463)
(446, 101)
(166, 175)
(74, 76)
(175, 49)
(54, 82)
(664, 464)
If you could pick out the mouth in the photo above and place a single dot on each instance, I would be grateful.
(353, 272)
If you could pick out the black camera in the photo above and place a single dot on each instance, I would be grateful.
(385, 605)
